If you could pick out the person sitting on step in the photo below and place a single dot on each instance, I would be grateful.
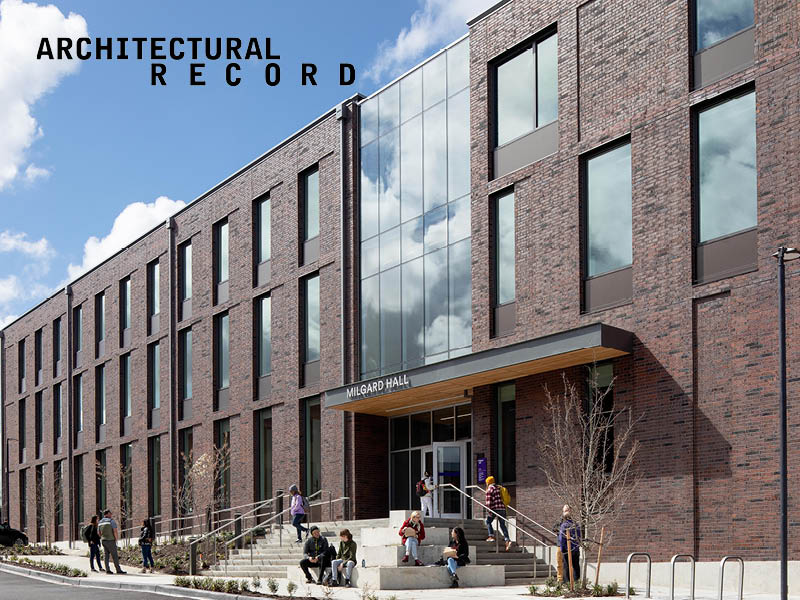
(412, 532)
(345, 559)
(456, 554)
(315, 554)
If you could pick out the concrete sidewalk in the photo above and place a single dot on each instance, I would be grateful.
(147, 581)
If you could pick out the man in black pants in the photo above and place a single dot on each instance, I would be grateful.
(315, 554)
(572, 552)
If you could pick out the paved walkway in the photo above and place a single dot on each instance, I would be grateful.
(77, 560)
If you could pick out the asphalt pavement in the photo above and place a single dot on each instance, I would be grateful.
(16, 587)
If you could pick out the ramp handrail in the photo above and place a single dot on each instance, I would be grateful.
(722, 562)
(672, 579)
(628, 572)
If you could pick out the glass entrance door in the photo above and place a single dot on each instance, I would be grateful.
(449, 464)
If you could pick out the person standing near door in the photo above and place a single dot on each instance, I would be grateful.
(494, 500)
(426, 498)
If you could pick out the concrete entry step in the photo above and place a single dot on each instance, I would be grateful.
(414, 578)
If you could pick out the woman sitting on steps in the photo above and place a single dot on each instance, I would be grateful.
(412, 532)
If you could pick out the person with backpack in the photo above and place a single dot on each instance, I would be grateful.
(109, 532)
(497, 500)
(299, 510)
(91, 536)
(412, 532)
(146, 537)
(570, 550)
(425, 487)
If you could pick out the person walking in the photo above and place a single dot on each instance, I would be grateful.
(315, 554)
(109, 533)
(93, 538)
(494, 500)
(298, 510)
(426, 500)
(146, 538)
(412, 532)
(345, 559)
(573, 551)
(456, 554)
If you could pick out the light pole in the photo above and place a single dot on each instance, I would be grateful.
(783, 255)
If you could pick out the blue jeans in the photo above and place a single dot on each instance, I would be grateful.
(452, 565)
(94, 553)
(147, 555)
(491, 518)
(296, 523)
(411, 547)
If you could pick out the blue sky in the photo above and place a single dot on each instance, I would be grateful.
(83, 145)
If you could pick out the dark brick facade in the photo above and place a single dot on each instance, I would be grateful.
(703, 372)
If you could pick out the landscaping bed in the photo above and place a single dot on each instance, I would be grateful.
(171, 558)
(44, 566)
(241, 587)
(30, 550)
(552, 588)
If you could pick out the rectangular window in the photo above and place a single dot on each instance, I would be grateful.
(100, 392)
(37, 356)
(100, 317)
(222, 346)
(186, 363)
(125, 303)
(154, 475)
(311, 350)
(77, 332)
(221, 247)
(310, 185)
(264, 437)
(527, 90)
(185, 259)
(264, 228)
(57, 347)
(79, 403)
(222, 463)
(38, 418)
(23, 499)
(506, 433)
(40, 491)
(21, 365)
(79, 509)
(264, 336)
(125, 385)
(58, 490)
(601, 398)
(313, 431)
(154, 375)
(185, 498)
(126, 481)
(726, 167)
(717, 21)
(57, 415)
(505, 248)
(101, 481)
(153, 289)
(21, 431)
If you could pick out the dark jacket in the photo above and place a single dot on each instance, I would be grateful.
(419, 527)
(94, 535)
(145, 536)
(315, 547)
(462, 552)
(347, 551)
(574, 535)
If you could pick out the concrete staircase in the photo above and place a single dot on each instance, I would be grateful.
(272, 557)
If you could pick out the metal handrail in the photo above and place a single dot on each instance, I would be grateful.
(539, 525)
(628, 572)
(725, 559)
(672, 579)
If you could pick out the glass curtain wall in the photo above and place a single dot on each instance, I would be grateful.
(416, 287)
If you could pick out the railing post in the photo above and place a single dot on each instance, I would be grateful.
(193, 558)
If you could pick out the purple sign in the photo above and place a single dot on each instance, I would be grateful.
(481, 470)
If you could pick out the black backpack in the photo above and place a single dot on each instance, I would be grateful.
(421, 489)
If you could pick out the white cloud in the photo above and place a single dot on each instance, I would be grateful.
(134, 220)
(5, 320)
(18, 242)
(32, 173)
(23, 79)
(10, 289)
(435, 24)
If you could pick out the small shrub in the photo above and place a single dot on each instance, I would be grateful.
(291, 588)
(532, 589)
(631, 591)
(231, 586)
(218, 585)
(551, 582)
(612, 588)
(207, 584)
(256, 582)
(272, 585)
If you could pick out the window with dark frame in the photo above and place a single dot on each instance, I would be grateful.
(153, 289)
(100, 391)
(154, 378)
(21, 365)
(78, 403)
(264, 336)
(126, 481)
(221, 354)
(57, 418)
(185, 258)
(38, 418)
(310, 187)
(264, 229)
(311, 330)
(185, 460)
(222, 446)
(37, 357)
(154, 475)
(313, 449)
(504, 264)
(716, 21)
(78, 490)
(58, 490)
(23, 499)
(599, 388)
(221, 252)
(125, 305)
(101, 481)
(22, 426)
(125, 385)
(57, 347)
(186, 363)
(264, 437)
(77, 332)
(100, 323)
(506, 433)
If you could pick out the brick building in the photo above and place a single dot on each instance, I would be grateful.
(390, 288)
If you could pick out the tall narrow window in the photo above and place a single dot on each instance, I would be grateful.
(186, 363)
(100, 402)
(264, 437)
(601, 398)
(58, 419)
(40, 490)
(153, 296)
(506, 433)
(185, 498)
(126, 481)
(154, 475)
(221, 262)
(100, 323)
(222, 361)
(313, 445)
(222, 450)
(311, 348)
(264, 221)
(101, 481)
(37, 357)
(23, 499)
(154, 375)
(79, 509)
(309, 220)
(717, 21)
(727, 211)
(57, 347)
(608, 227)
(21, 365)
(265, 336)
(505, 264)
(77, 334)
(186, 271)
(58, 490)
(125, 311)
(125, 386)
(79, 403)
(38, 417)
(23, 457)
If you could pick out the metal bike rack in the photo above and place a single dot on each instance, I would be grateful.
(672, 580)
(725, 559)
(628, 572)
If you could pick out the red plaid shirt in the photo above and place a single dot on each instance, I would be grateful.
(494, 499)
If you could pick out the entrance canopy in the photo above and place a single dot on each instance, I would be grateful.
(445, 383)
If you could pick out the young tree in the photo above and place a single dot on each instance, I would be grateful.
(48, 504)
(588, 453)
(200, 490)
